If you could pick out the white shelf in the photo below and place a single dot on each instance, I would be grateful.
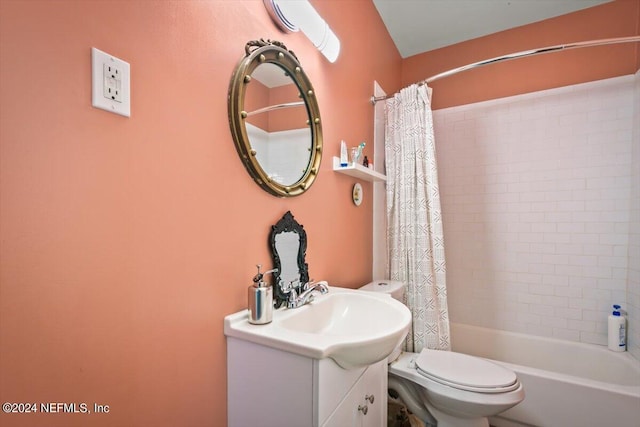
(358, 171)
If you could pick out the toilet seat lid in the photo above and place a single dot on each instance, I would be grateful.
(465, 372)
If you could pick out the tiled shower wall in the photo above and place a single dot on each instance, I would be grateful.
(633, 283)
(535, 194)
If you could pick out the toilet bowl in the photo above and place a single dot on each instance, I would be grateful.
(455, 389)
(458, 389)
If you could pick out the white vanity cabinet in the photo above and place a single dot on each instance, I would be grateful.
(267, 387)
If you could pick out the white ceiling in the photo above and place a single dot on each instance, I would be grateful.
(418, 26)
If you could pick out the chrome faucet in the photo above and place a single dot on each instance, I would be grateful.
(306, 296)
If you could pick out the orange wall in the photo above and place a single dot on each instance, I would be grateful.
(619, 18)
(124, 242)
(257, 97)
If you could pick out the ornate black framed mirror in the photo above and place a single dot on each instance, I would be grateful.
(275, 119)
(288, 242)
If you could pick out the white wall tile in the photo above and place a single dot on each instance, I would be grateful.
(535, 198)
(633, 253)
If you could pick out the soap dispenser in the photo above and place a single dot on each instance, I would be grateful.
(260, 303)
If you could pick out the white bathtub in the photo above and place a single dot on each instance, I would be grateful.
(566, 384)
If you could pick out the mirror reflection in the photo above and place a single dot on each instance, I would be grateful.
(277, 124)
(287, 246)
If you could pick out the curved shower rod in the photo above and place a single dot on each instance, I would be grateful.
(275, 107)
(517, 55)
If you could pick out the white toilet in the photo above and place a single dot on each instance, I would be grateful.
(454, 389)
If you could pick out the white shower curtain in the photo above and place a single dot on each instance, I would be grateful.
(414, 230)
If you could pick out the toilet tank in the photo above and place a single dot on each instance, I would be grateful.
(392, 287)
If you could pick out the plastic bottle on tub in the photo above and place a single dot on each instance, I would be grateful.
(617, 330)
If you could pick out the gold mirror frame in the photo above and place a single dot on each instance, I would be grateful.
(259, 52)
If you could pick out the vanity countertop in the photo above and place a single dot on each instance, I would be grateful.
(353, 327)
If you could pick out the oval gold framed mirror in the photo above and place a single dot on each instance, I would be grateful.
(275, 119)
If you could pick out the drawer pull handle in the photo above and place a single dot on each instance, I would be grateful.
(363, 408)
(370, 398)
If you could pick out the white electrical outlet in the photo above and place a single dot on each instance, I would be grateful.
(110, 83)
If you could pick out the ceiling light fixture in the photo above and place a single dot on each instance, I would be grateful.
(295, 15)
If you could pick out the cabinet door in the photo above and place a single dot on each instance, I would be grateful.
(365, 404)
(374, 395)
(347, 413)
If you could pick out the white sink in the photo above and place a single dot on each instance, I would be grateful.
(355, 328)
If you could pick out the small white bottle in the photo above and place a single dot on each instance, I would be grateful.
(617, 330)
(344, 159)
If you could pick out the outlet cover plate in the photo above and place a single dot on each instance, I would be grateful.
(111, 78)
